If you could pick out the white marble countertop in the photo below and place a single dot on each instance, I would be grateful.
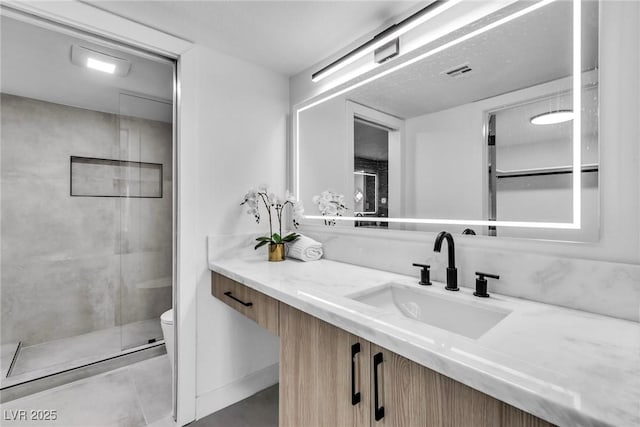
(565, 366)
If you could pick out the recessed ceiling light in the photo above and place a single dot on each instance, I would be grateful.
(96, 60)
(552, 117)
(101, 65)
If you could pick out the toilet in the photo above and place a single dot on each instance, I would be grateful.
(166, 321)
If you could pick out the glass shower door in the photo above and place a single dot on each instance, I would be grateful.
(145, 218)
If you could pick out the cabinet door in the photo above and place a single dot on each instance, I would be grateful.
(401, 392)
(324, 373)
(413, 395)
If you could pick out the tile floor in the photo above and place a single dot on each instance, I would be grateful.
(259, 410)
(136, 395)
(54, 356)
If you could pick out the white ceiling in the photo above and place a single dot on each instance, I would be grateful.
(285, 36)
(35, 63)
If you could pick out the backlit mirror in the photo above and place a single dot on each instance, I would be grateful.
(492, 127)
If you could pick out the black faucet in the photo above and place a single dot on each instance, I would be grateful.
(452, 272)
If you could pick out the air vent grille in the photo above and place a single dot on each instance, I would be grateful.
(458, 70)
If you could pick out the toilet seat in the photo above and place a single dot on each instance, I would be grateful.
(167, 317)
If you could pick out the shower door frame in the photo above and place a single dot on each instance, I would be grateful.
(89, 22)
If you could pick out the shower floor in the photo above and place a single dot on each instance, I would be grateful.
(46, 358)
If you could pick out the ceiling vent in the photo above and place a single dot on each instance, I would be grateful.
(458, 70)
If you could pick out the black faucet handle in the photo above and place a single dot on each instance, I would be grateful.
(425, 279)
(481, 284)
(482, 275)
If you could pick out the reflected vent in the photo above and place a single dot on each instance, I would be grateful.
(458, 70)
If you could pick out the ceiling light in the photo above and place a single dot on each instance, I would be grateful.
(96, 60)
(386, 36)
(101, 65)
(552, 117)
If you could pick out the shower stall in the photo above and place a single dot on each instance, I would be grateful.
(86, 200)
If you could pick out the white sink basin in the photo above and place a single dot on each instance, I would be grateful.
(458, 315)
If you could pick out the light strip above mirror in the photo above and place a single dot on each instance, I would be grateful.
(393, 32)
(577, 87)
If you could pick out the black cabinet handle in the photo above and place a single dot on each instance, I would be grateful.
(230, 295)
(379, 410)
(355, 396)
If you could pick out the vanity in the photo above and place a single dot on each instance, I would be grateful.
(348, 359)
(465, 133)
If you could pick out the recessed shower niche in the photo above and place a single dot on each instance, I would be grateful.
(91, 177)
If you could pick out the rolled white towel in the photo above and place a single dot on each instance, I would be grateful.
(305, 249)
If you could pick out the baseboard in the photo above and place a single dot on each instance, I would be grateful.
(236, 391)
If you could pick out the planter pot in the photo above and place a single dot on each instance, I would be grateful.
(276, 251)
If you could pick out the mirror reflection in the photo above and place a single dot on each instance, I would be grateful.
(370, 175)
(482, 130)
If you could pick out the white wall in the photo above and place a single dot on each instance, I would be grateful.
(448, 163)
(241, 118)
(325, 155)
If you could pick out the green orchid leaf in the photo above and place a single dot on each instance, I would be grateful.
(263, 239)
(264, 242)
(276, 238)
(290, 237)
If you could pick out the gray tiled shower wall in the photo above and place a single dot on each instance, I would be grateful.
(72, 265)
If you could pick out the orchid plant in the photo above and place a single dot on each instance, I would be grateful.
(330, 203)
(275, 206)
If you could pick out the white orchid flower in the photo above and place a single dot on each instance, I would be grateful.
(330, 203)
(331, 210)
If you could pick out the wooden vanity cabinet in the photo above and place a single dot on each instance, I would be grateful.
(316, 385)
(331, 378)
(413, 395)
(324, 373)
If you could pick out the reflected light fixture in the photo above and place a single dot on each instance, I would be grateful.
(385, 37)
(552, 117)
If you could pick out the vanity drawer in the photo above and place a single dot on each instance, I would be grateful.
(255, 305)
